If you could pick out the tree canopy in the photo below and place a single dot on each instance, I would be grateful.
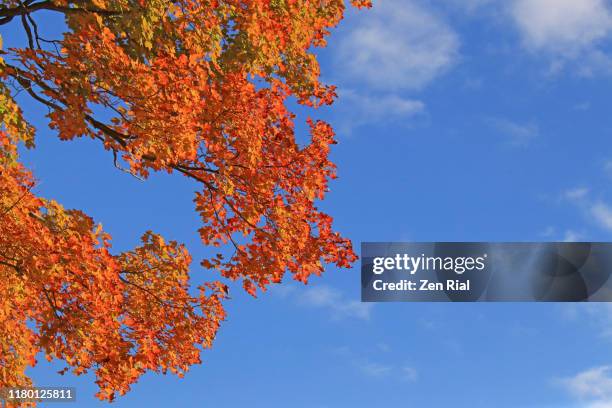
(198, 88)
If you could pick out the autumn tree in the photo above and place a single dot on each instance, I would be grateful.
(197, 88)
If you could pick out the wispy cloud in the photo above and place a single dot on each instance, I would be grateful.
(582, 106)
(375, 368)
(517, 134)
(339, 306)
(356, 109)
(562, 26)
(390, 52)
(607, 167)
(378, 106)
(549, 232)
(398, 45)
(335, 302)
(575, 194)
(404, 373)
(566, 30)
(602, 213)
(572, 236)
(409, 373)
(569, 235)
(598, 211)
(384, 347)
(471, 6)
(592, 387)
(596, 315)
(372, 369)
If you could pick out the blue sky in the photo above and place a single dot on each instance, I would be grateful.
(467, 120)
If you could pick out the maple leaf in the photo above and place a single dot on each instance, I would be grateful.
(188, 87)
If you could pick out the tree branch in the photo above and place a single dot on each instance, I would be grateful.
(7, 14)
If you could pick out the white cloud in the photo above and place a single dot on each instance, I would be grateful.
(597, 315)
(572, 236)
(356, 109)
(373, 369)
(409, 373)
(607, 166)
(565, 27)
(518, 134)
(333, 300)
(593, 387)
(383, 105)
(283, 290)
(397, 45)
(472, 6)
(384, 347)
(602, 213)
(568, 31)
(600, 404)
(582, 106)
(363, 363)
(576, 194)
(549, 232)
(595, 382)
(594, 62)
(597, 211)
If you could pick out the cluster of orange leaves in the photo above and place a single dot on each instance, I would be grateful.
(198, 88)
